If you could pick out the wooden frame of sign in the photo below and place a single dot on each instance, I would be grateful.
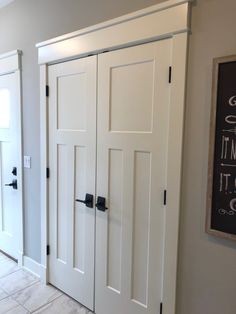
(221, 194)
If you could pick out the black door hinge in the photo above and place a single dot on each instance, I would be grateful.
(165, 195)
(47, 173)
(170, 74)
(161, 307)
(47, 91)
(48, 249)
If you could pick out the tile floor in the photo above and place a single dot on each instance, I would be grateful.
(22, 293)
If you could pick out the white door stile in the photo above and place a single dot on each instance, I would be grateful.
(20, 172)
(44, 164)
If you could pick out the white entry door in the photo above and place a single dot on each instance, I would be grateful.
(133, 109)
(10, 166)
(72, 162)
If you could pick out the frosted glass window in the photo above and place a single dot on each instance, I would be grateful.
(4, 108)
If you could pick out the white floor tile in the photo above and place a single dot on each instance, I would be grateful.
(17, 281)
(28, 295)
(7, 267)
(3, 294)
(7, 305)
(36, 296)
(62, 305)
(18, 310)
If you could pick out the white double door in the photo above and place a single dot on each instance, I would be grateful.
(108, 129)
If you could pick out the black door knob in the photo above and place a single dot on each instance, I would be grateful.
(88, 200)
(101, 204)
(13, 184)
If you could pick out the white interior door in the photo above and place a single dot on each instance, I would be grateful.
(10, 180)
(133, 109)
(72, 162)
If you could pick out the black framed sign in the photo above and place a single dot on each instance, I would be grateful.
(221, 195)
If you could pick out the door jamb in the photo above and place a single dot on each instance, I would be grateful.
(10, 62)
(52, 52)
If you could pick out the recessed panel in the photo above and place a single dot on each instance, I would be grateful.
(131, 98)
(62, 202)
(80, 209)
(141, 226)
(72, 102)
(115, 219)
(4, 108)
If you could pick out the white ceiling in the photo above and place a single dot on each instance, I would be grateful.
(3, 3)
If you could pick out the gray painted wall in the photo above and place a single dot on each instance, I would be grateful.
(207, 265)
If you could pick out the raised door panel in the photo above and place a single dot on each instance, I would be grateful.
(72, 161)
(133, 111)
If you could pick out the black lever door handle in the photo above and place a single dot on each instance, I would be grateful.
(88, 200)
(13, 184)
(101, 204)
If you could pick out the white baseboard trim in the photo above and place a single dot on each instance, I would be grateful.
(34, 267)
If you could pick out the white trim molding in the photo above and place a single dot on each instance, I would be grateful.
(10, 62)
(169, 19)
(142, 26)
(33, 267)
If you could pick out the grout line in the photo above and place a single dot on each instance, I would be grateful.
(31, 285)
(3, 277)
(5, 260)
(7, 296)
(29, 297)
(42, 306)
(8, 311)
(12, 293)
(23, 307)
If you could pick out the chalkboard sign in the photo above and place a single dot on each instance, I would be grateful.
(221, 195)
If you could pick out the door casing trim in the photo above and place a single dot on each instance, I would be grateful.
(68, 47)
(10, 62)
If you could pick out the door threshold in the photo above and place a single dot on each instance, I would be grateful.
(9, 256)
